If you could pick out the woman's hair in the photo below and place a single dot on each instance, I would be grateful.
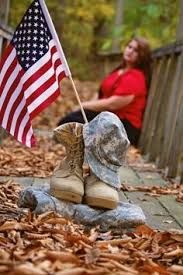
(144, 57)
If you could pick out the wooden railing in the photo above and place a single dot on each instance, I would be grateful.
(161, 139)
(5, 37)
(162, 133)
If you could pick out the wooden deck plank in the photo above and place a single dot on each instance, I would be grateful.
(152, 178)
(41, 183)
(156, 215)
(23, 181)
(173, 207)
(122, 197)
(129, 176)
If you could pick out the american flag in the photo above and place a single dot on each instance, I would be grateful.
(30, 72)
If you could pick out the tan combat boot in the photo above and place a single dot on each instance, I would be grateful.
(100, 194)
(67, 181)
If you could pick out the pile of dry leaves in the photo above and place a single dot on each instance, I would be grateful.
(50, 244)
(39, 161)
(17, 160)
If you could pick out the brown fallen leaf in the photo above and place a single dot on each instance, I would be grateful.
(62, 256)
(14, 225)
(114, 256)
(178, 252)
(82, 271)
(177, 237)
(176, 269)
(27, 269)
(167, 221)
(36, 236)
(92, 255)
(122, 267)
(144, 231)
(147, 268)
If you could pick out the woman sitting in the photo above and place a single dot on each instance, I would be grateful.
(123, 91)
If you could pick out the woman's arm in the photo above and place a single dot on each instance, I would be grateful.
(108, 104)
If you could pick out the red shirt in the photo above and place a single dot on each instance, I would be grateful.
(131, 82)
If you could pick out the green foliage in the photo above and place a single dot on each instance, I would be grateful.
(76, 23)
(17, 10)
(79, 32)
(155, 20)
(87, 27)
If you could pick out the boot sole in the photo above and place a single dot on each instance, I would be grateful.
(100, 202)
(65, 195)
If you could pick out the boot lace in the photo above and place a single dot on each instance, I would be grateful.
(76, 155)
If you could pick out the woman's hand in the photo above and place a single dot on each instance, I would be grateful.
(108, 104)
(76, 108)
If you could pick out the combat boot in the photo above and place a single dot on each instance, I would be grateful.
(100, 194)
(67, 182)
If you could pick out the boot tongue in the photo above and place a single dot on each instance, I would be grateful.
(64, 170)
(62, 173)
(69, 167)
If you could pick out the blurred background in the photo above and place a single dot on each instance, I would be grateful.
(91, 29)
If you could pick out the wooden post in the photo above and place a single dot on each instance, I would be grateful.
(179, 35)
(181, 179)
(172, 112)
(175, 160)
(151, 145)
(146, 129)
(164, 90)
(118, 23)
(148, 111)
(1, 45)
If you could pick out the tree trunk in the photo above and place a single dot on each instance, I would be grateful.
(179, 35)
(118, 23)
(4, 11)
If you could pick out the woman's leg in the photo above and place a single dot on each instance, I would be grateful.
(132, 132)
(78, 117)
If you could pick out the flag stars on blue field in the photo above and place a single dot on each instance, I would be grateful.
(30, 47)
(32, 37)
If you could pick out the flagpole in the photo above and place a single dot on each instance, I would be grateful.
(60, 50)
(78, 99)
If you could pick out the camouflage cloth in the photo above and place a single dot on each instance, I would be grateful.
(125, 215)
(106, 143)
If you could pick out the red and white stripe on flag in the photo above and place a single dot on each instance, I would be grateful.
(30, 72)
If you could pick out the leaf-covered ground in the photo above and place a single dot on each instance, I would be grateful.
(17, 160)
(51, 244)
